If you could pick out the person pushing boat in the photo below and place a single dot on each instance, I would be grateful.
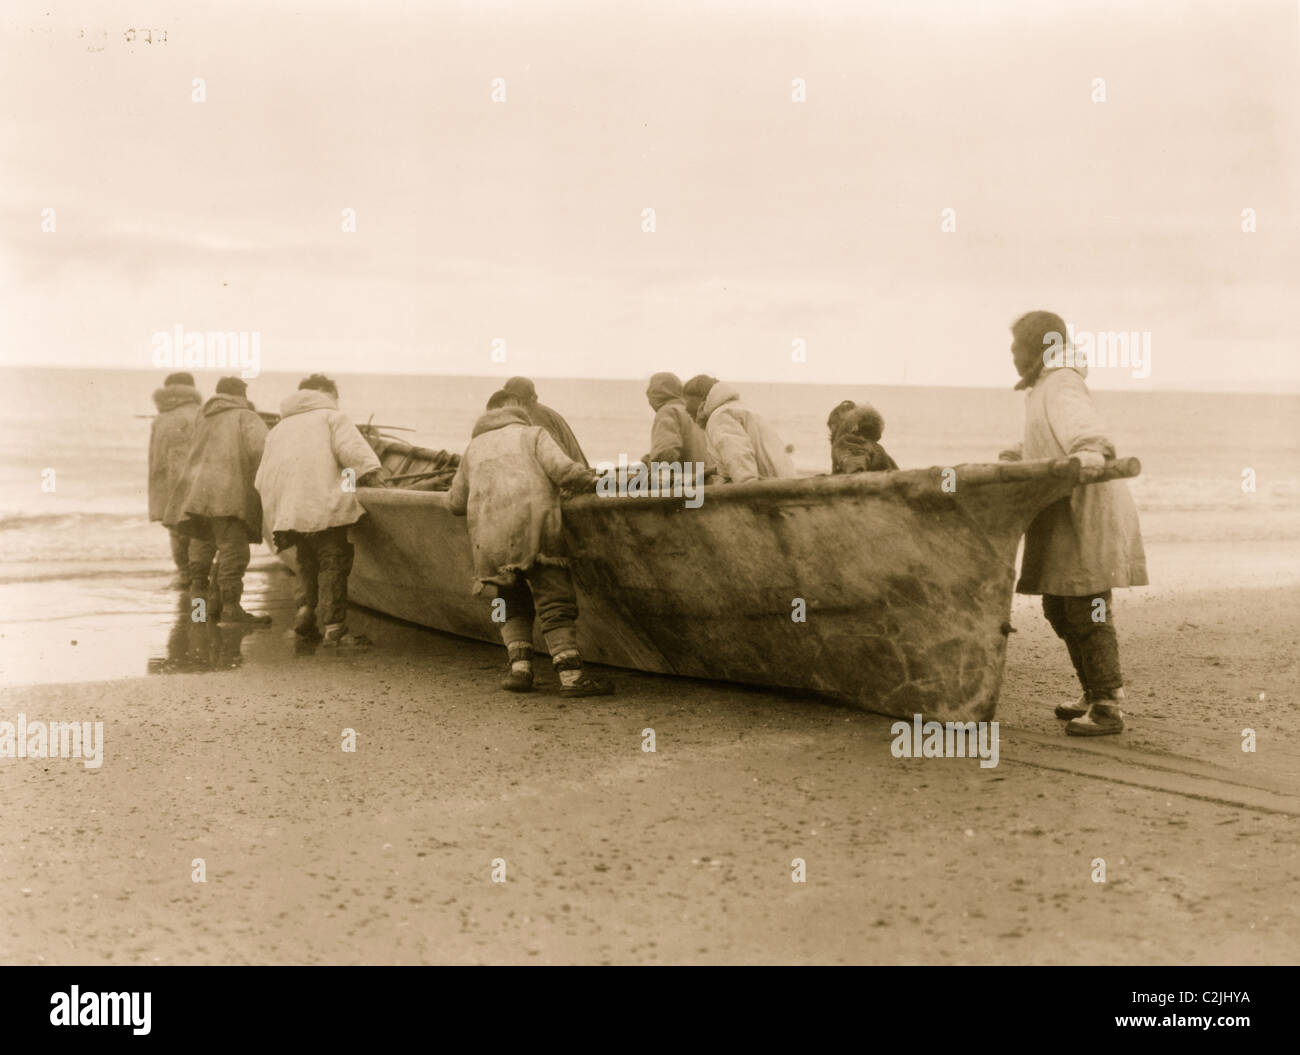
(170, 437)
(509, 485)
(539, 414)
(314, 461)
(675, 437)
(745, 445)
(1081, 547)
(215, 500)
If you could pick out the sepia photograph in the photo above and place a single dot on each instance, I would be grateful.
(793, 482)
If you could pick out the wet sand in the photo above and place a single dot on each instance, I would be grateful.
(615, 855)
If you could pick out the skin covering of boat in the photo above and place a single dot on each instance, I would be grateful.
(890, 591)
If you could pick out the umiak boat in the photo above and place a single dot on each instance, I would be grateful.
(905, 577)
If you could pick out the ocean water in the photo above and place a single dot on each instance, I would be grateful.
(84, 552)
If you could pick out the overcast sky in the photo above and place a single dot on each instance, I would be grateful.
(775, 220)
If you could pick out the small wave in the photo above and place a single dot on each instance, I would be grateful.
(71, 574)
(69, 519)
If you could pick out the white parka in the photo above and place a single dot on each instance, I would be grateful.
(1091, 541)
(746, 446)
(301, 478)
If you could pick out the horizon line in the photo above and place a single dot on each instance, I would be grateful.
(1293, 391)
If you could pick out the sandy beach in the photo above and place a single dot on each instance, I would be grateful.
(418, 298)
(616, 855)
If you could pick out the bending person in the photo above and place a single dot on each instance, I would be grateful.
(539, 414)
(509, 485)
(745, 445)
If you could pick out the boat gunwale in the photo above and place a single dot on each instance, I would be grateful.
(913, 483)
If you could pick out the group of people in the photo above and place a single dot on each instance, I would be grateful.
(217, 473)
(219, 478)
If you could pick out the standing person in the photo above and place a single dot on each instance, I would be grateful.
(314, 460)
(179, 405)
(855, 430)
(1080, 548)
(674, 435)
(215, 500)
(540, 414)
(509, 485)
(745, 445)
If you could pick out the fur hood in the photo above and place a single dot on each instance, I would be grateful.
(664, 388)
(865, 420)
(172, 396)
(718, 394)
(306, 399)
(499, 419)
(222, 402)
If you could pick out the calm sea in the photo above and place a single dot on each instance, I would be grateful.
(89, 544)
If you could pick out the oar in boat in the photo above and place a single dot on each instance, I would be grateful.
(447, 471)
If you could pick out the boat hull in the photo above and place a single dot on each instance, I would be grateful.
(891, 591)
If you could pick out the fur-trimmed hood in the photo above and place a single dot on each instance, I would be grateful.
(306, 399)
(169, 397)
(499, 419)
(718, 394)
(222, 402)
(865, 420)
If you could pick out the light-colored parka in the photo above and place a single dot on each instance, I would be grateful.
(509, 484)
(1089, 542)
(301, 478)
(170, 437)
(746, 446)
(218, 476)
(674, 436)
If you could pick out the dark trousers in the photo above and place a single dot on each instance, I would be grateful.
(180, 552)
(544, 592)
(1088, 630)
(324, 563)
(188, 552)
(227, 537)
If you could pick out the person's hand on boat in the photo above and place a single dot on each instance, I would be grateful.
(581, 485)
(1092, 464)
(1011, 454)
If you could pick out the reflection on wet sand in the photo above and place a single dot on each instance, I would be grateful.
(195, 644)
(200, 645)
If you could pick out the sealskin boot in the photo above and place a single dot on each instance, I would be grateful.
(518, 681)
(341, 638)
(519, 678)
(587, 685)
(1073, 710)
(304, 623)
(1103, 719)
(233, 612)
